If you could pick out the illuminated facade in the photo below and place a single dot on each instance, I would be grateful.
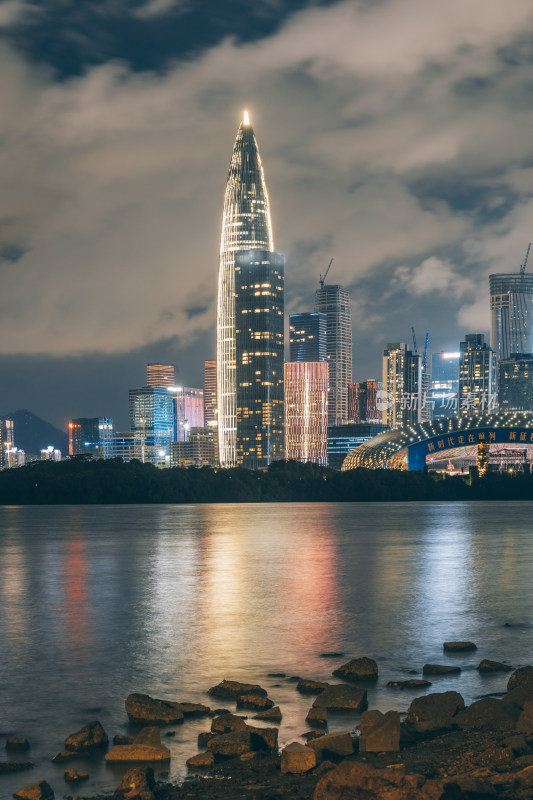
(307, 337)
(198, 451)
(477, 376)
(342, 439)
(515, 383)
(160, 375)
(259, 349)
(152, 423)
(6, 441)
(511, 311)
(362, 402)
(306, 411)
(91, 435)
(246, 225)
(402, 385)
(444, 389)
(189, 410)
(334, 302)
(210, 392)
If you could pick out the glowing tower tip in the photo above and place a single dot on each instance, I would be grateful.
(245, 118)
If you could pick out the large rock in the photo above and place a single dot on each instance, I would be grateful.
(297, 758)
(342, 697)
(35, 791)
(488, 713)
(459, 647)
(332, 744)
(271, 715)
(75, 776)
(486, 665)
(234, 688)
(440, 669)
(305, 686)
(263, 738)
(194, 709)
(357, 781)
(204, 737)
(14, 766)
(146, 710)
(17, 744)
(227, 723)
(255, 702)
(135, 781)
(317, 716)
(146, 747)
(358, 669)
(229, 745)
(521, 679)
(434, 712)
(525, 720)
(412, 683)
(90, 737)
(379, 733)
(201, 760)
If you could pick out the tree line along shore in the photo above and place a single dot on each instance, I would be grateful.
(80, 481)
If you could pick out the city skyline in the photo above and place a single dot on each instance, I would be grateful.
(113, 174)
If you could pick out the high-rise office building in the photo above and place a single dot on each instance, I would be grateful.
(511, 310)
(477, 376)
(198, 451)
(152, 422)
(6, 440)
(342, 439)
(160, 375)
(306, 411)
(307, 337)
(362, 402)
(402, 385)
(259, 349)
(444, 389)
(515, 383)
(246, 225)
(210, 392)
(90, 435)
(189, 410)
(334, 302)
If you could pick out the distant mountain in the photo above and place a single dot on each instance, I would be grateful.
(32, 434)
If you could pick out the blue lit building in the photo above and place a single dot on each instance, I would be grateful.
(444, 385)
(153, 423)
(90, 436)
(342, 439)
(307, 337)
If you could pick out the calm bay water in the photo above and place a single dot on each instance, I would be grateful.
(98, 602)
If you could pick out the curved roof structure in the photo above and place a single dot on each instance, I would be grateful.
(391, 449)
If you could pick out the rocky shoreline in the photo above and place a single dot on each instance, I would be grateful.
(440, 750)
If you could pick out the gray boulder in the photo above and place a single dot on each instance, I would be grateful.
(434, 712)
(379, 733)
(146, 710)
(358, 669)
(342, 697)
(90, 737)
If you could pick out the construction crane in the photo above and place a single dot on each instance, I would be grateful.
(415, 347)
(523, 266)
(425, 361)
(325, 275)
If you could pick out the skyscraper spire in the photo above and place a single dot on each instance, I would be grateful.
(246, 225)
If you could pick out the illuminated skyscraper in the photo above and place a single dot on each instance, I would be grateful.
(246, 225)
(362, 402)
(334, 302)
(210, 392)
(307, 337)
(259, 348)
(152, 422)
(477, 376)
(160, 375)
(90, 435)
(189, 410)
(402, 385)
(306, 411)
(6, 440)
(511, 311)
(515, 383)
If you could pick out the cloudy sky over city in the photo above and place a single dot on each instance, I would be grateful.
(395, 137)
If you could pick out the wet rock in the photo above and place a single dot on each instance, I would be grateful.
(331, 655)
(135, 781)
(487, 713)
(74, 776)
(255, 702)
(277, 675)
(227, 723)
(521, 679)
(201, 760)
(90, 737)
(169, 734)
(35, 791)
(324, 767)
(517, 744)
(271, 715)
(17, 744)
(263, 738)
(146, 710)
(219, 711)
(342, 697)
(476, 785)
(146, 747)
(296, 758)
(204, 738)
(440, 669)
(381, 734)
(332, 744)
(234, 689)
(353, 781)
(517, 698)
(311, 687)
(14, 766)
(308, 735)
(525, 777)
(194, 709)
(434, 712)
(64, 755)
(229, 745)
(358, 669)
(118, 739)
(317, 716)
(525, 720)
(412, 683)
(486, 665)
(458, 647)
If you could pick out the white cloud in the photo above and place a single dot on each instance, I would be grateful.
(156, 8)
(14, 11)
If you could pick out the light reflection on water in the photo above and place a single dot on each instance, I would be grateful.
(97, 602)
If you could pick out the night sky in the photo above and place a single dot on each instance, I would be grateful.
(396, 137)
